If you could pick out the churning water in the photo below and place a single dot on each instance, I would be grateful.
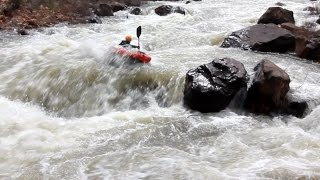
(69, 110)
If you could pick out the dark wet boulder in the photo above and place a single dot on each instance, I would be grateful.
(211, 87)
(268, 90)
(297, 31)
(307, 41)
(168, 9)
(297, 108)
(308, 48)
(261, 37)
(104, 10)
(276, 15)
(136, 11)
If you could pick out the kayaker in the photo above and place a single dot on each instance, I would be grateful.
(126, 42)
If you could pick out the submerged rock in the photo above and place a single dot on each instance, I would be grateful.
(211, 87)
(313, 10)
(22, 32)
(276, 15)
(280, 4)
(268, 90)
(94, 19)
(261, 37)
(168, 9)
(136, 11)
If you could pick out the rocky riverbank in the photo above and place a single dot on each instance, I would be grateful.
(27, 14)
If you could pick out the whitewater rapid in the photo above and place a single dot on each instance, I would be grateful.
(67, 111)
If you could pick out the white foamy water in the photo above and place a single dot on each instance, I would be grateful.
(68, 112)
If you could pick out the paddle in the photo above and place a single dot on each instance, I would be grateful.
(138, 35)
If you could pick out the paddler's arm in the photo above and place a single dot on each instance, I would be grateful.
(124, 43)
(134, 46)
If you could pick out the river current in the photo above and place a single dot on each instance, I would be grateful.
(69, 110)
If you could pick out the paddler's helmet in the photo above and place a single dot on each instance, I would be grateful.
(128, 38)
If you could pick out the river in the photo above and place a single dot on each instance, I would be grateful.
(67, 111)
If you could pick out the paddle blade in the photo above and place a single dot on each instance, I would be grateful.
(138, 31)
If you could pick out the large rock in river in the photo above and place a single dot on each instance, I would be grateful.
(211, 87)
(268, 90)
(262, 37)
(276, 15)
(309, 49)
(307, 41)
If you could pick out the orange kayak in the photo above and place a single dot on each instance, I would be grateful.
(136, 55)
